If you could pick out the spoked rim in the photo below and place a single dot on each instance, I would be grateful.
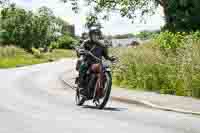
(78, 98)
(100, 101)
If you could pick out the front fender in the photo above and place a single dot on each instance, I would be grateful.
(107, 69)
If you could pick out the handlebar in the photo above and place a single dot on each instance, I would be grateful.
(86, 52)
(90, 53)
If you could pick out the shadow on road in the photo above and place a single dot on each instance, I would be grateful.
(106, 108)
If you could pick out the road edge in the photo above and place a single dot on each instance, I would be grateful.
(151, 105)
(144, 103)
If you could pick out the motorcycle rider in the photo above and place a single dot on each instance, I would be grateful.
(89, 63)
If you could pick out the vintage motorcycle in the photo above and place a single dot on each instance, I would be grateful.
(99, 97)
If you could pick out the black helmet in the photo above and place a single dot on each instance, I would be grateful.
(94, 30)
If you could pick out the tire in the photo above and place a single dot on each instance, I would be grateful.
(79, 99)
(108, 91)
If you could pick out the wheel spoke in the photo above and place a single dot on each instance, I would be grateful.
(79, 99)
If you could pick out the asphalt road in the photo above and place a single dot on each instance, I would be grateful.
(34, 100)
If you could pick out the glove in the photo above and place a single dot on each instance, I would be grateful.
(113, 58)
(81, 51)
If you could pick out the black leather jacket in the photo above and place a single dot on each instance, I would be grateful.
(97, 49)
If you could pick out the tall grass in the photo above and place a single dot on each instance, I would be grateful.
(8, 51)
(169, 70)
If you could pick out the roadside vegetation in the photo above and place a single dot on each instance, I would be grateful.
(12, 56)
(145, 35)
(28, 37)
(168, 64)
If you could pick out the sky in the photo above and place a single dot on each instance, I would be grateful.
(115, 25)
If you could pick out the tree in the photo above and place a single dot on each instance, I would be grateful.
(4, 2)
(63, 27)
(27, 29)
(44, 20)
(178, 13)
(182, 15)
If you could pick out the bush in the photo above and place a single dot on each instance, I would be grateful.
(36, 53)
(169, 40)
(144, 35)
(54, 45)
(195, 36)
(66, 42)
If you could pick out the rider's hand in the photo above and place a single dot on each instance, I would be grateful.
(81, 51)
(113, 58)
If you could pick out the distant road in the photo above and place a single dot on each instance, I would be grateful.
(34, 100)
(125, 42)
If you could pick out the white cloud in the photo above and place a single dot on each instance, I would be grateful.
(115, 25)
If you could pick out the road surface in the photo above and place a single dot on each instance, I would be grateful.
(34, 100)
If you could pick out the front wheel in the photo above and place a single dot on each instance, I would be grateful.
(101, 103)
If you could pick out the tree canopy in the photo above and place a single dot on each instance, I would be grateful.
(179, 14)
(26, 29)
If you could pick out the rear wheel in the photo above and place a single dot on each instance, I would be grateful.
(78, 98)
(101, 103)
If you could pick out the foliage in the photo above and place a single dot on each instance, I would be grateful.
(180, 15)
(3, 2)
(60, 53)
(26, 29)
(11, 56)
(155, 67)
(127, 8)
(66, 42)
(36, 53)
(144, 35)
(54, 45)
(195, 36)
(92, 20)
(169, 40)
(62, 27)
(8, 51)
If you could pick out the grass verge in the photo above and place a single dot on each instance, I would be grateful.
(147, 67)
(13, 57)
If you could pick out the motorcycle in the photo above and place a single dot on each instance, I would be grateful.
(93, 93)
